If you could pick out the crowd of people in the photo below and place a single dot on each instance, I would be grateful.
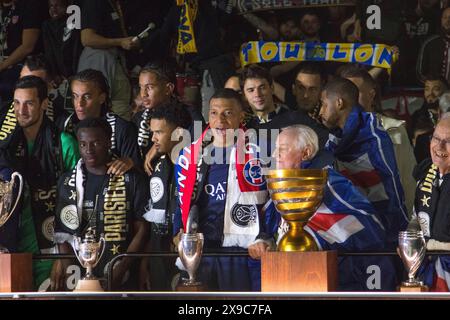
(132, 136)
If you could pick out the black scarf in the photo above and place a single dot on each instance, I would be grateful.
(162, 191)
(41, 170)
(431, 205)
(113, 217)
(142, 120)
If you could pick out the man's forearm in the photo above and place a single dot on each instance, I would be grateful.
(91, 39)
(29, 39)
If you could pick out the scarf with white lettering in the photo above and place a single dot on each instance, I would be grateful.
(69, 219)
(41, 169)
(246, 188)
(144, 133)
(427, 199)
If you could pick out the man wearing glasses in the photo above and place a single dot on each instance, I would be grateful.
(432, 209)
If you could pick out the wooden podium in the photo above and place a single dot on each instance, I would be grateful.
(313, 271)
(16, 274)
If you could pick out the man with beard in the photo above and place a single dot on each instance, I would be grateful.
(41, 154)
(310, 27)
(110, 204)
(433, 56)
(424, 119)
(90, 96)
(34, 66)
(220, 186)
(166, 124)
(370, 101)
(364, 153)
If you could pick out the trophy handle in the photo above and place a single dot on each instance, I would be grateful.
(19, 194)
(75, 245)
(180, 245)
(103, 242)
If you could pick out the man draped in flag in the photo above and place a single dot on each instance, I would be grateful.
(364, 154)
(345, 221)
(221, 182)
(432, 209)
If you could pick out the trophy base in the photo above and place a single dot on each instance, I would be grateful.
(91, 285)
(412, 287)
(16, 273)
(314, 271)
(190, 287)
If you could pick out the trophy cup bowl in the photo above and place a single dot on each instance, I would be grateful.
(6, 199)
(297, 193)
(89, 252)
(412, 248)
(190, 249)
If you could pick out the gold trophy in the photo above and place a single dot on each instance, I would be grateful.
(89, 252)
(6, 200)
(297, 194)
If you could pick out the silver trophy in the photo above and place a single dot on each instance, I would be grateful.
(89, 252)
(190, 248)
(412, 248)
(6, 199)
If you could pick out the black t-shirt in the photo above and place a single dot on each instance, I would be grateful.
(23, 14)
(95, 185)
(102, 16)
(62, 47)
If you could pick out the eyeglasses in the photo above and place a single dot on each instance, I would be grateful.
(439, 141)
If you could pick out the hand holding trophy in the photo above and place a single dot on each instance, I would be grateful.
(89, 252)
(7, 190)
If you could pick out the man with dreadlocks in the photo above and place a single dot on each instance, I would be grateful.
(90, 96)
(41, 154)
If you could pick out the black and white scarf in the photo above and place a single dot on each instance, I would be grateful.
(112, 219)
(161, 193)
(41, 170)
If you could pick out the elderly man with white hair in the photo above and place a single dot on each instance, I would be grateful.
(432, 208)
(345, 221)
(422, 142)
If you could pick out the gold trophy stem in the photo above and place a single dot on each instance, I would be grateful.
(296, 239)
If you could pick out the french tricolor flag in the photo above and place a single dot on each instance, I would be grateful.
(334, 227)
(365, 177)
(442, 277)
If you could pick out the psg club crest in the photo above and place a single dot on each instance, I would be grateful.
(252, 172)
(243, 215)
